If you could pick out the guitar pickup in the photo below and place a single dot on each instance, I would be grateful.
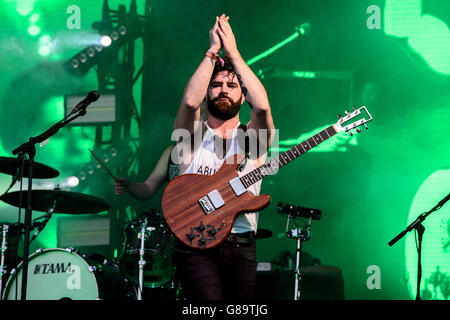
(211, 202)
(237, 186)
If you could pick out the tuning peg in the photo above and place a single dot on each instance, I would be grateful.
(365, 125)
(339, 116)
(358, 130)
(346, 112)
(354, 109)
(351, 134)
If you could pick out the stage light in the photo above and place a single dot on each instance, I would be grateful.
(105, 41)
(34, 30)
(114, 35)
(90, 169)
(82, 175)
(45, 45)
(122, 30)
(103, 111)
(83, 57)
(90, 52)
(71, 182)
(44, 51)
(75, 63)
(108, 40)
(25, 7)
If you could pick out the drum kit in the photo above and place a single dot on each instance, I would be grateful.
(67, 274)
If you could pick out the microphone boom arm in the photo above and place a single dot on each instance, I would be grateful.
(301, 30)
(52, 130)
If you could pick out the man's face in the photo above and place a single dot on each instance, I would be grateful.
(224, 96)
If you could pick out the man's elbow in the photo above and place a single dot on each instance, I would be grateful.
(261, 110)
(191, 104)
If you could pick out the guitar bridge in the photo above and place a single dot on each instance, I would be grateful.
(211, 202)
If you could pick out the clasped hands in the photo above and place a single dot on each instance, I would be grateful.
(221, 36)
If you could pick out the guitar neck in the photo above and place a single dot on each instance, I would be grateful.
(273, 165)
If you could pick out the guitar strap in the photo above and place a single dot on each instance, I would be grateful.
(243, 127)
(246, 147)
(173, 169)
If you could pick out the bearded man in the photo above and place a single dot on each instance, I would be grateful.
(227, 271)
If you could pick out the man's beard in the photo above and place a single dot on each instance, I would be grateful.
(224, 110)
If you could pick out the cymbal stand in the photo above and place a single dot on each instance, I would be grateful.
(47, 217)
(301, 234)
(2, 262)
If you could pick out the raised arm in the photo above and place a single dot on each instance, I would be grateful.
(252, 88)
(197, 86)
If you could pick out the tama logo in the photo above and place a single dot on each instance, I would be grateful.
(47, 268)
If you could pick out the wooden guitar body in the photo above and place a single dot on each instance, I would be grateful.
(186, 217)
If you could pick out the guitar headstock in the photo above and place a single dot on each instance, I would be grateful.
(343, 125)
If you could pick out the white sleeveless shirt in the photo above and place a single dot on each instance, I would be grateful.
(206, 162)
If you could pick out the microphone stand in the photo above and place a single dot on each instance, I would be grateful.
(301, 30)
(29, 148)
(420, 229)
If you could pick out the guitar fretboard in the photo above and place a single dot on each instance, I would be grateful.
(273, 165)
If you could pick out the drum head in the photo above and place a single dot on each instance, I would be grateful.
(158, 269)
(54, 274)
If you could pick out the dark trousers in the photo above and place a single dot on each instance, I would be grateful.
(226, 272)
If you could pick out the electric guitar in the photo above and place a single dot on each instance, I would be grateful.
(200, 210)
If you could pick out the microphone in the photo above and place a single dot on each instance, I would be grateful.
(298, 211)
(82, 105)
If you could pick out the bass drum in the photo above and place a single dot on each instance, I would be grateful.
(159, 244)
(62, 274)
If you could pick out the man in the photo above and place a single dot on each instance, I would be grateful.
(227, 271)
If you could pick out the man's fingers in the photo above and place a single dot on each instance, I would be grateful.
(224, 25)
(221, 33)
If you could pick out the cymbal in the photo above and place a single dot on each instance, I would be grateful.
(66, 201)
(40, 171)
(263, 234)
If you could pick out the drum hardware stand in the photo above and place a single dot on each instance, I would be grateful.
(299, 233)
(47, 217)
(2, 262)
(420, 229)
(142, 262)
(29, 148)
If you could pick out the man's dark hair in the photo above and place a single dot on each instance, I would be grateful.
(227, 66)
